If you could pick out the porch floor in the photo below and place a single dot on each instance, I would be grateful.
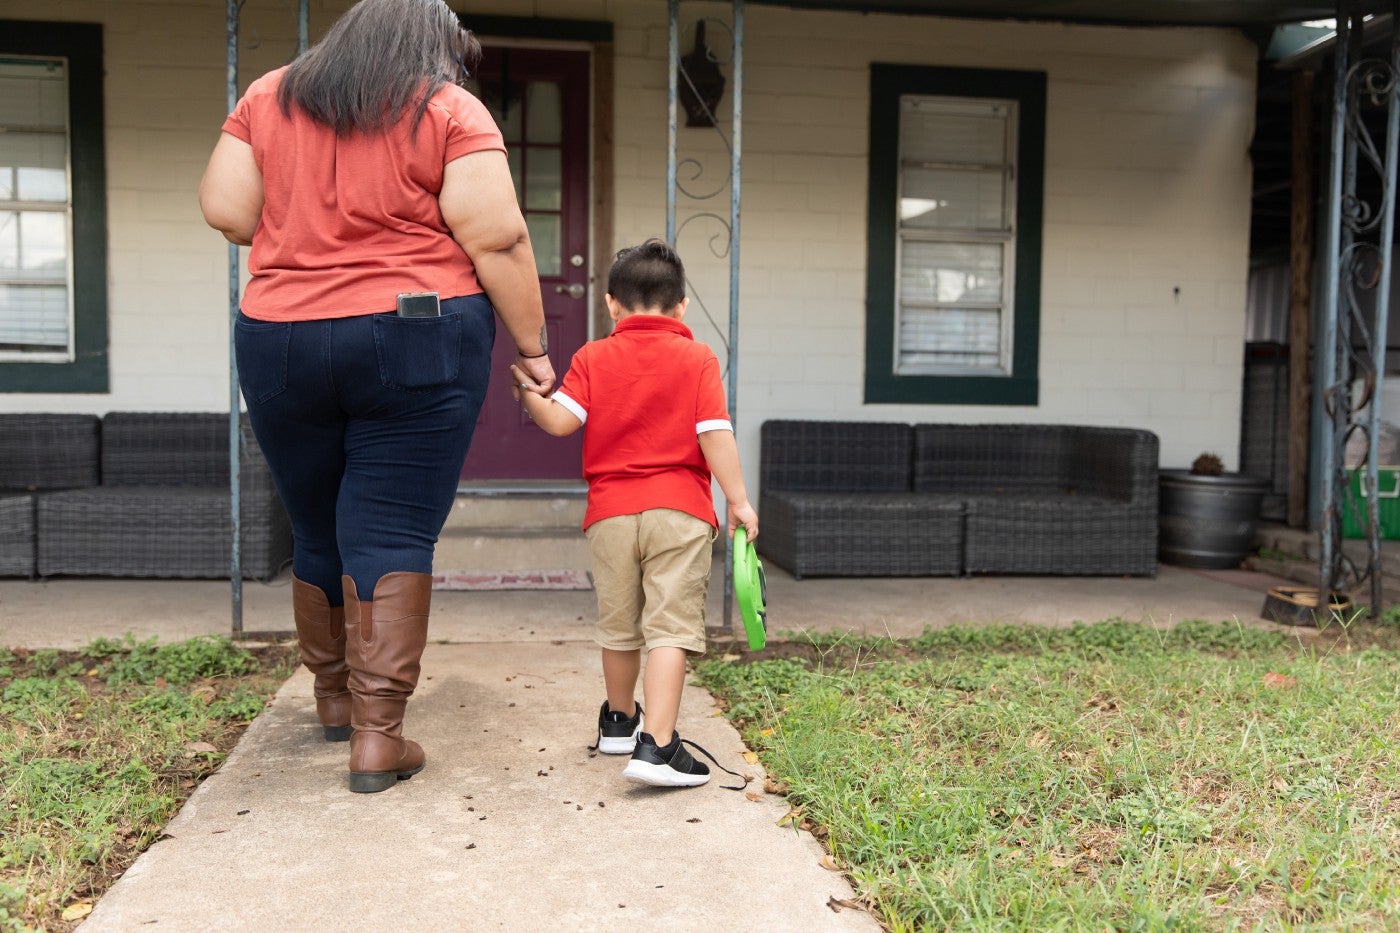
(69, 613)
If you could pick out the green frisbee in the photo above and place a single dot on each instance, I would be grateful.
(751, 590)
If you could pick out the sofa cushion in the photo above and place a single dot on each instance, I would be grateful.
(862, 534)
(48, 451)
(141, 531)
(16, 536)
(835, 456)
(1064, 533)
(165, 449)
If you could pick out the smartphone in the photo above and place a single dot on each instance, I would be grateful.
(419, 304)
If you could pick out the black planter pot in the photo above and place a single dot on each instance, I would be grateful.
(1206, 521)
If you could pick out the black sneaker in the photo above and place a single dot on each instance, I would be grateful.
(668, 766)
(617, 734)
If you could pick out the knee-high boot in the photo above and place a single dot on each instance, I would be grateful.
(321, 638)
(384, 641)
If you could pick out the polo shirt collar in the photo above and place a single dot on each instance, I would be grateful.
(643, 323)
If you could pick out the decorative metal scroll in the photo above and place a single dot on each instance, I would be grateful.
(696, 84)
(1361, 233)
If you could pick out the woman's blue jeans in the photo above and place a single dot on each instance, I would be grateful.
(365, 422)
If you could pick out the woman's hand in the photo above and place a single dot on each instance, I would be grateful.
(536, 370)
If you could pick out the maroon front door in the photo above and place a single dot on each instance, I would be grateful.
(540, 101)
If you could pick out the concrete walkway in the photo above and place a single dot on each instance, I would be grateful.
(513, 824)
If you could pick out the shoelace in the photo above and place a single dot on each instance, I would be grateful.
(744, 782)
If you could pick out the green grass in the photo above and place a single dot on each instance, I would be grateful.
(99, 749)
(1108, 776)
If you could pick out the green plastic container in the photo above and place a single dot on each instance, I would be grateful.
(1388, 498)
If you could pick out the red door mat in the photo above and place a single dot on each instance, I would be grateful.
(513, 580)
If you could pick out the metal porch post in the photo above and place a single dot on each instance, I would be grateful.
(235, 480)
(1381, 322)
(673, 61)
(1331, 283)
(736, 139)
(676, 72)
(235, 433)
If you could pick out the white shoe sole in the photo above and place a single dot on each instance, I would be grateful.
(661, 775)
(618, 746)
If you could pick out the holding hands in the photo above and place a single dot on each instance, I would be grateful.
(534, 373)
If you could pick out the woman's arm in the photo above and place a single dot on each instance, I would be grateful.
(478, 204)
(231, 192)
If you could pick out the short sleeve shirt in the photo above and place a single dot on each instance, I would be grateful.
(645, 395)
(350, 222)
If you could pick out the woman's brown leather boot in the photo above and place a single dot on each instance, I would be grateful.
(321, 637)
(384, 641)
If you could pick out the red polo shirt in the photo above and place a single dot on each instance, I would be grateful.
(645, 394)
(349, 222)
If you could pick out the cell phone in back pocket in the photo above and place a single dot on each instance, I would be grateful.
(419, 304)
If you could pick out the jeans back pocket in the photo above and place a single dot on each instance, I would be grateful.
(261, 349)
(418, 353)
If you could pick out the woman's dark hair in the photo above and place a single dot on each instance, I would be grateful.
(647, 276)
(378, 59)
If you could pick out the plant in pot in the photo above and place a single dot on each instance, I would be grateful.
(1206, 516)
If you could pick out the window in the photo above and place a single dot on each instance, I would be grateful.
(53, 253)
(956, 164)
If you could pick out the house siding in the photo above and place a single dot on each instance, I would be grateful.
(1146, 229)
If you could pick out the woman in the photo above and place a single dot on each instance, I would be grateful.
(358, 173)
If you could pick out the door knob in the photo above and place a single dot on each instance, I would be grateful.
(573, 291)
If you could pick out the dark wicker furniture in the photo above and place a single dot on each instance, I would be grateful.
(39, 452)
(1046, 499)
(162, 509)
(878, 499)
(836, 502)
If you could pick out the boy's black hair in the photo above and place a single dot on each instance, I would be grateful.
(647, 276)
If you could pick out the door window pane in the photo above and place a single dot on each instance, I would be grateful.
(505, 110)
(544, 109)
(544, 236)
(544, 182)
(513, 160)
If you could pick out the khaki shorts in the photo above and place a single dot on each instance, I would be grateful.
(651, 571)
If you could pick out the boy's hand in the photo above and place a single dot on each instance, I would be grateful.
(741, 513)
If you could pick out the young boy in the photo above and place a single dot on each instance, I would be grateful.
(657, 428)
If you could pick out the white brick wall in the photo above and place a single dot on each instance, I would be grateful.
(1146, 204)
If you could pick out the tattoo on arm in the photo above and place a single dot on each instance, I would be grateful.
(544, 340)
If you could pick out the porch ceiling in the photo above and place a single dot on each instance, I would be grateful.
(1128, 12)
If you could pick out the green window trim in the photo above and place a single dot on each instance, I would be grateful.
(81, 45)
(887, 84)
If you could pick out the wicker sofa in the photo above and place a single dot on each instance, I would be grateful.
(39, 453)
(880, 499)
(161, 508)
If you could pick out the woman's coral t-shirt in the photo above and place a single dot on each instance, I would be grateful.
(350, 222)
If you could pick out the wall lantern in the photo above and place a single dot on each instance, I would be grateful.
(700, 81)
